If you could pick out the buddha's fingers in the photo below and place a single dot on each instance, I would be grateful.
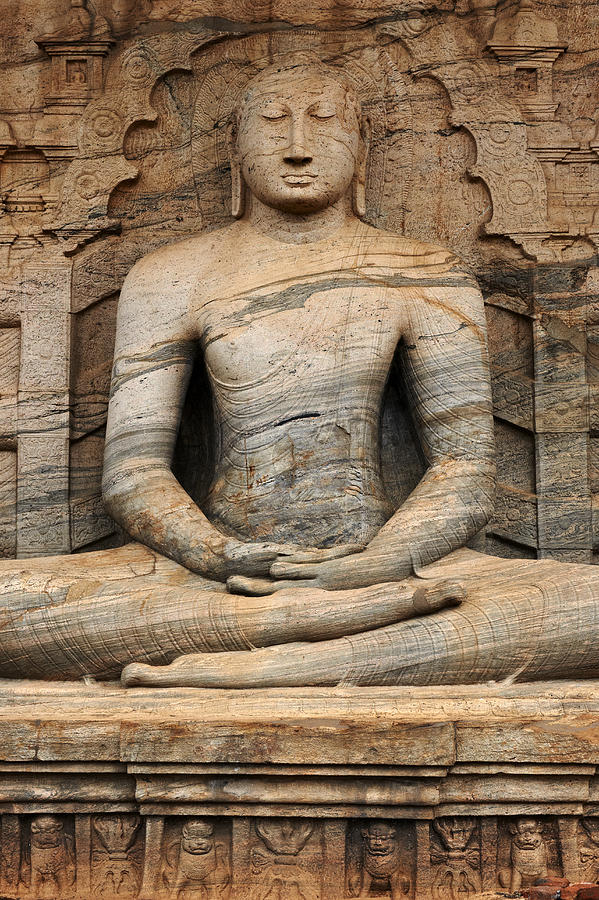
(318, 555)
(312, 614)
(438, 595)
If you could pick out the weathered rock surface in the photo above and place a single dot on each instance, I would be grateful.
(114, 143)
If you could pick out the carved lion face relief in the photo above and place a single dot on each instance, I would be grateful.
(380, 839)
(528, 833)
(46, 832)
(197, 837)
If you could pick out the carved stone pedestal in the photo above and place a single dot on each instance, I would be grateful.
(318, 794)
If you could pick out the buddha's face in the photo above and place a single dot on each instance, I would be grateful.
(298, 139)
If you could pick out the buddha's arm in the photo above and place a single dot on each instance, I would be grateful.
(447, 378)
(153, 360)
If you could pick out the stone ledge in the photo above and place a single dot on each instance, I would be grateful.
(545, 724)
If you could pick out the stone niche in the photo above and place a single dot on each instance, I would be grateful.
(486, 141)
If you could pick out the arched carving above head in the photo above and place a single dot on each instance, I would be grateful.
(101, 165)
(512, 173)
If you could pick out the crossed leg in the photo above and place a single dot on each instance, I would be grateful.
(522, 620)
(65, 617)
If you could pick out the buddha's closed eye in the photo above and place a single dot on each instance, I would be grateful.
(274, 113)
(322, 111)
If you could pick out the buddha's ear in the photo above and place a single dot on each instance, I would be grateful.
(359, 185)
(237, 184)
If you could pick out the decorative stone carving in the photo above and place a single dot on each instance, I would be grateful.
(280, 867)
(197, 862)
(77, 57)
(48, 862)
(527, 44)
(529, 857)
(290, 856)
(381, 863)
(116, 855)
(455, 857)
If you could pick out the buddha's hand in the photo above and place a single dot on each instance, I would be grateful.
(229, 558)
(338, 568)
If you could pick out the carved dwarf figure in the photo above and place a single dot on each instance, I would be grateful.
(528, 854)
(457, 861)
(202, 870)
(381, 862)
(49, 863)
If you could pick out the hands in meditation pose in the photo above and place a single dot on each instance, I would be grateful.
(298, 311)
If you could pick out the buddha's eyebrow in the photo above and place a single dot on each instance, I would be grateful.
(268, 103)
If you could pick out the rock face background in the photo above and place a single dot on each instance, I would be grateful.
(112, 120)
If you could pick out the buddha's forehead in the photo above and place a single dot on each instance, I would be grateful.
(295, 85)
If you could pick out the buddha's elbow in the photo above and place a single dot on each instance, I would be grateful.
(112, 502)
(117, 494)
(481, 490)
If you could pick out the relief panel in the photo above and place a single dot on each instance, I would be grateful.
(286, 859)
(455, 858)
(112, 855)
(196, 859)
(116, 855)
(48, 866)
(380, 859)
(527, 850)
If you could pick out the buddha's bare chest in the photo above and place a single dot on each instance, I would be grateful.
(319, 329)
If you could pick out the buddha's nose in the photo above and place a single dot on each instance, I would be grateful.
(297, 151)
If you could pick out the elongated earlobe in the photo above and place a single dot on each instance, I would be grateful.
(237, 190)
(237, 183)
(359, 183)
(359, 195)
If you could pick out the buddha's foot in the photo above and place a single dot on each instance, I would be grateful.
(294, 664)
(314, 614)
(233, 669)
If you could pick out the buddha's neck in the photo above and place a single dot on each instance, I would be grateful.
(298, 229)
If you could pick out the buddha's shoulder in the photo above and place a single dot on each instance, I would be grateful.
(431, 273)
(409, 255)
(187, 259)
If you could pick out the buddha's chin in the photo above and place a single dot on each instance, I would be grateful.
(299, 199)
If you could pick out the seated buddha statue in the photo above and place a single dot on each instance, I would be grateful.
(298, 567)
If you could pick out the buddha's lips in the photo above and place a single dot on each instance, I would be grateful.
(304, 178)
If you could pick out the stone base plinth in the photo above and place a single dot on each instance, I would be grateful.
(321, 794)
